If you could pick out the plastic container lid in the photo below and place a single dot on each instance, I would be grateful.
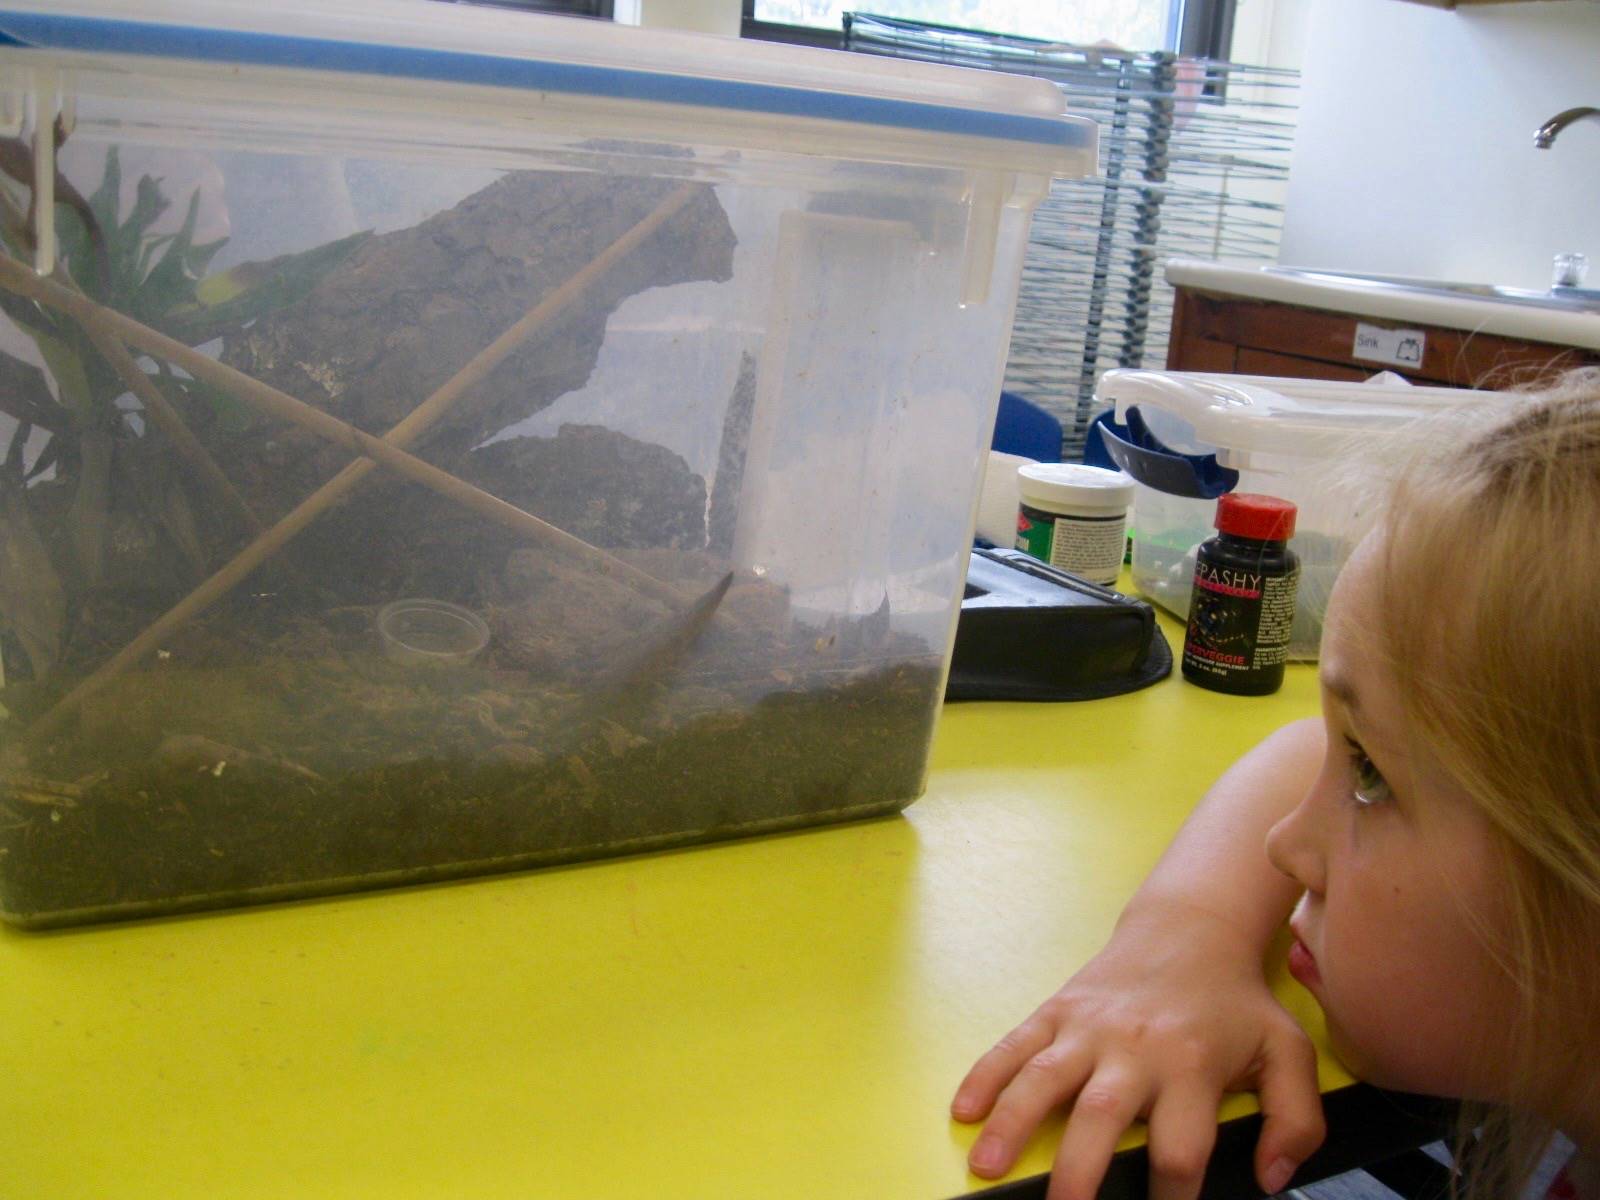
(1074, 486)
(1248, 515)
(879, 107)
(1275, 415)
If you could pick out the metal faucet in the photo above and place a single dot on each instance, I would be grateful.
(1546, 136)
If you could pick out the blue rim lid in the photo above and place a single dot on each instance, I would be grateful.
(102, 35)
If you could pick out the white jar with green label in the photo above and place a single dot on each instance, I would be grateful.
(1074, 517)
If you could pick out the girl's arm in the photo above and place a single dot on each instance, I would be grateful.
(1174, 1011)
(1217, 864)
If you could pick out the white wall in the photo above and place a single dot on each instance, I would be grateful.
(698, 16)
(1270, 33)
(1415, 151)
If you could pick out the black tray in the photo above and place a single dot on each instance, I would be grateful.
(1030, 631)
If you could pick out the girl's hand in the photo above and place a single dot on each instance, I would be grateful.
(1170, 1015)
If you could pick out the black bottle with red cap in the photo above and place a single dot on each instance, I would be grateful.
(1242, 607)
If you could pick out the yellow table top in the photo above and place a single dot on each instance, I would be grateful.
(785, 1016)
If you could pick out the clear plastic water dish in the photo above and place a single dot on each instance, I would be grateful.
(429, 632)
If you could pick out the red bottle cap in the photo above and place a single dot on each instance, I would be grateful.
(1265, 518)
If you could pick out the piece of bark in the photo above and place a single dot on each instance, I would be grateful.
(722, 520)
(407, 309)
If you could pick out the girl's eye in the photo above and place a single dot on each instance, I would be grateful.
(1370, 786)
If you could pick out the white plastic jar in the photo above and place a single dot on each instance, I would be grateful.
(1074, 517)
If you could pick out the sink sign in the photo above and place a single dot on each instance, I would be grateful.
(1397, 347)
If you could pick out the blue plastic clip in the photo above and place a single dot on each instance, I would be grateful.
(1144, 456)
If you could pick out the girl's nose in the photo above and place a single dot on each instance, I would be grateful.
(1294, 847)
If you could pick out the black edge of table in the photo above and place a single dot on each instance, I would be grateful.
(1366, 1125)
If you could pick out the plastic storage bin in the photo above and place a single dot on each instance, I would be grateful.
(1291, 438)
(638, 384)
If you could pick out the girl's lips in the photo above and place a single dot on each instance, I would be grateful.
(1302, 965)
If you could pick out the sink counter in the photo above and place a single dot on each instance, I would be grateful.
(1556, 324)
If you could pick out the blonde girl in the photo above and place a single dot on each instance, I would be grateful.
(1435, 834)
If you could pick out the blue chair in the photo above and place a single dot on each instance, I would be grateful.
(1024, 428)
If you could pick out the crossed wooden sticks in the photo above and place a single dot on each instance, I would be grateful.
(111, 332)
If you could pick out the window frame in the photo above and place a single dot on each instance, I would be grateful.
(602, 10)
(1205, 29)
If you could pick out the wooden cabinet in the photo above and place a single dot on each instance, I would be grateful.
(1236, 334)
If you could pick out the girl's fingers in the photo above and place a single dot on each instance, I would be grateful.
(1043, 1083)
(1293, 1124)
(983, 1084)
(1110, 1101)
(1182, 1134)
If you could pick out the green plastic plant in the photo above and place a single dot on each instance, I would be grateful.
(100, 458)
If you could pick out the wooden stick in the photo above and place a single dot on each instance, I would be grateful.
(492, 355)
(385, 450)
(166, 417)
(358, 442)
(330, 493)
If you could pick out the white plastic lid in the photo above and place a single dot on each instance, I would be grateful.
(912, 111)
(1302, 417)
(1074, 485)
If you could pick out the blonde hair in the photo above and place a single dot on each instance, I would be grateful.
(1492, 627)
